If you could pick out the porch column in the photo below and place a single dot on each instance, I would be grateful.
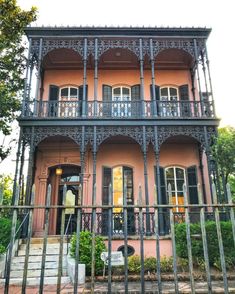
(208, 158)
(21, 176)
(38, 79)
(201, 168)
(209, 77)
(82, 161)
(96, 78)
(153, 102)
(26, 84)
(84, 102)
(141, 78)
(148, 225)
(30, 170)
(94, 154)
(16, 183)
(198, 76)
(158, 180)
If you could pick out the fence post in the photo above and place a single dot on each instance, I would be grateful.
(110, 231)
(27, 249)
(140, 203)
(158, 256)
(172, 225)
(204, 239)
(61, 248)
(125, 238)
(46, 227)
(93, 241)
(188, 238)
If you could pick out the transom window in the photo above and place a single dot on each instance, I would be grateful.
(176, 177)
(169, 94)
(69, 93)
(121, 94)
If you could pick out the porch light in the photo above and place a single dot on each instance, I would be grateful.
(58, 171)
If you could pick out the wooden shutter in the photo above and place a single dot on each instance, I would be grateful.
(53, 93)
(192, 184)
(184, 93)
(107, 97)
(135, 93)
(157, 96)
(80, 96)
(106, 180)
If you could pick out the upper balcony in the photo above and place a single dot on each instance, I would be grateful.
(118, 73)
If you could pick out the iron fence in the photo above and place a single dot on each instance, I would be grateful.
(130, 223)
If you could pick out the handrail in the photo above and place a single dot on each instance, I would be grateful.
(17, 231)
(66, 232)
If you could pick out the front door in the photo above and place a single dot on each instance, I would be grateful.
(121, 106)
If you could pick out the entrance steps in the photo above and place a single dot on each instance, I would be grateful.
(35, 263)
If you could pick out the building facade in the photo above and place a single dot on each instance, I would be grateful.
(117, 113)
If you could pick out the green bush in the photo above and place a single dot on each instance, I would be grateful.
(5, 231)
(166, 264)
(85, 250)
(212, 242)
(150, 264)
(134, 264)
(2, 249)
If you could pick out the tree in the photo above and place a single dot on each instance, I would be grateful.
(13, 20)
(6, 189)
(224, 154)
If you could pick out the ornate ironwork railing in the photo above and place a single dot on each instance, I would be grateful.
(118, 109)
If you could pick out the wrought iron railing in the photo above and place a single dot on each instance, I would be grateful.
(118, 109)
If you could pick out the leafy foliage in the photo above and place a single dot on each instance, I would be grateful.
(6, 188)
(5, 233)
(85, 250)
(212, 242)
(224, 154)
(13, 20)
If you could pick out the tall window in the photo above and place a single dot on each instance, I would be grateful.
(121, 179)
(176, 177)
(121, 96)
(168, 104)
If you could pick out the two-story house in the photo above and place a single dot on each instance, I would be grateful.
(119, 111)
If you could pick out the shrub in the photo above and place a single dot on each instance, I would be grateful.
(85, 250)
(5, 231)
(2, 249)
(150, 264)
(212, 242)
(166, 264)
(134, 264)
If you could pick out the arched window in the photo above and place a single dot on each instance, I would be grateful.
(69, 93)
(169, 94)
(175, 176)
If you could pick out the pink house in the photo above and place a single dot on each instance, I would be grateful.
(118, 112)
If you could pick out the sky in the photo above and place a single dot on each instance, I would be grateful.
(215, 14)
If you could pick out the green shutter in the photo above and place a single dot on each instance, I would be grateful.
(80, 96)
(192, 184)
(107, 99)
(135, 93)
(184, 93)
(157, 92)
(106, 180)
(53, 93)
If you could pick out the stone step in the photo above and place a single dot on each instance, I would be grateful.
(37, 265)
(50, 240)
(36, 273)
(38, 251)
(40, 246)
(36, 281)
(20, 259)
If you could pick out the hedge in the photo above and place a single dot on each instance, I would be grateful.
(212, 241)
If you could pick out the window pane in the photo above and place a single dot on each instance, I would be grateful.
(180, 185)
(65, 92)
(172, 183)
(73, 92)
(173, 92)
(170, 173)
(164, 91)
(179, 173)
(125, 91)
(117, 91)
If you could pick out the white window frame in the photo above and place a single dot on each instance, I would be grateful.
(176, 191)
(167, 106)
(66, 108)
(121, 108)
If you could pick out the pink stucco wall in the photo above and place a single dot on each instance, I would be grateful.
(112, 78)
